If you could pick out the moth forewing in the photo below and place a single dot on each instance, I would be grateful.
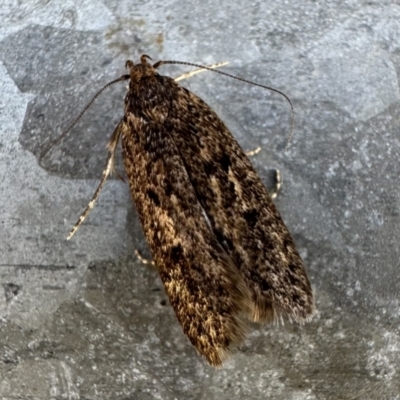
(204, 287)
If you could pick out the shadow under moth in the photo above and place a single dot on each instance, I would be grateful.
(219, 244)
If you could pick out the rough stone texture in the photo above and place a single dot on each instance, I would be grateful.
(84, 319)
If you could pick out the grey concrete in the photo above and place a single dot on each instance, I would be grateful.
(84, 319)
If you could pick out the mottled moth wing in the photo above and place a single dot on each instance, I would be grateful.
(203, 285)
(220, 245)
(241, 212)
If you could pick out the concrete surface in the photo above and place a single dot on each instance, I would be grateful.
(84, 319)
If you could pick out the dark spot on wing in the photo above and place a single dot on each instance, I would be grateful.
(251, 217)
(168, 188)
(176, 253)
(153, 197)
(225, 162)
(210, 168)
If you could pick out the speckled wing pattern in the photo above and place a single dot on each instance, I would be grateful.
(239, 261)
(241, 212)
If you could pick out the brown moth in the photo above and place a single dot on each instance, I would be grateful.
(220, 246)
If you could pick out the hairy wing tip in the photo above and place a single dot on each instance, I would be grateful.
(272, 312)
(236, 331)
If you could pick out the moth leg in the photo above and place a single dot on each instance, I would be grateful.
(145, 261)
(277, 178)
(197, 71)
(278, 184)
(253, 152)
(109, 168)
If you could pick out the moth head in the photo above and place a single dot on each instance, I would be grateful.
(142, 70)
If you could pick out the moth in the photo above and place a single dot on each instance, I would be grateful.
(220, 246)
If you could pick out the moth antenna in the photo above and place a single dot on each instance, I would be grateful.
(106, 172)
(159, 63)
(63, 134)
(197, 71)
